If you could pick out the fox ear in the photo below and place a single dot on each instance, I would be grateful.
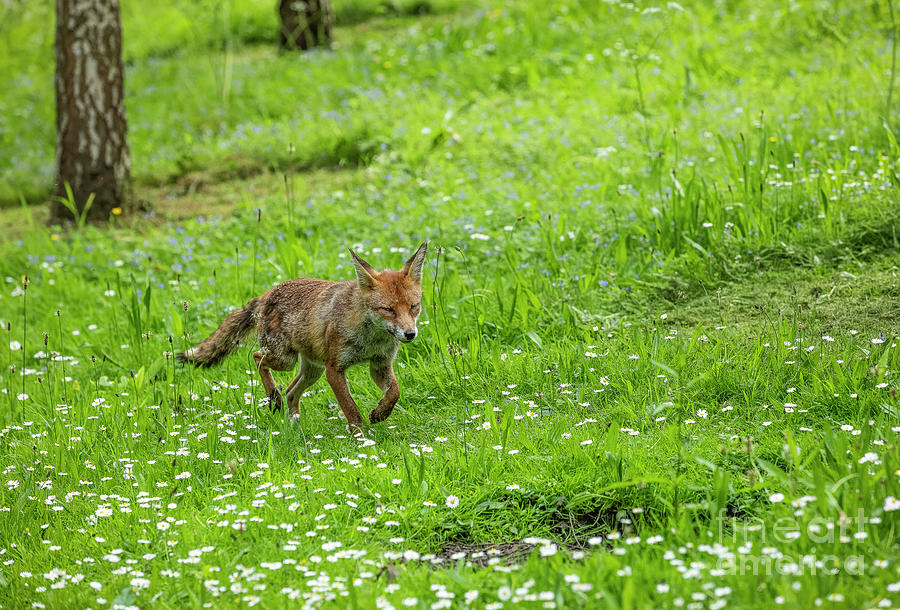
(413, 267)
(365, 274)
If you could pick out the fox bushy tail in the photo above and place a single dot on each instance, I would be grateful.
(215, 348)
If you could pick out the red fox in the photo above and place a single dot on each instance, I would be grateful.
(330, 326)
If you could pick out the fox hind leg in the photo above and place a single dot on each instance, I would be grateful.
(265, 374)
(309, 373)
(266, 362)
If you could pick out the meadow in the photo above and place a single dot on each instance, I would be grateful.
(657, 364)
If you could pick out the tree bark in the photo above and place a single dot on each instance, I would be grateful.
(91, 134)
(305, 23)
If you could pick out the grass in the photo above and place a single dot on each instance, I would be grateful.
(657, 364)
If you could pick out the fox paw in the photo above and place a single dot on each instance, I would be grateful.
(376, 416)
(275, 400)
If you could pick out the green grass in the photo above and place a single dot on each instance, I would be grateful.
(657, 364)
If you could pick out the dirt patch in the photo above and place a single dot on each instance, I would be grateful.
(199, 196)
(481, 555)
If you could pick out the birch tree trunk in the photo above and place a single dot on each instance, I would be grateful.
(91, 134)
(305, 23)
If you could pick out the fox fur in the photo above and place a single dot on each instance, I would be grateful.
(329, 327)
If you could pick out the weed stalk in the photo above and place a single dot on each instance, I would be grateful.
(25, 283)
(890, 91)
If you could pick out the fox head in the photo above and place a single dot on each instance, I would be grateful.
(393, 298)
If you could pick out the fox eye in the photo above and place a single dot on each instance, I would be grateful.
(389, 310)
(414, 307)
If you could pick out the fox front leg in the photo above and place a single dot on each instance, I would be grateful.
(308, 375)
(383, 376)
(338, 382)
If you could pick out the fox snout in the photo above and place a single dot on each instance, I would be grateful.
(403, 335)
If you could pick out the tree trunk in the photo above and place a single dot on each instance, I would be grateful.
(91, 135)
(305, 23)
